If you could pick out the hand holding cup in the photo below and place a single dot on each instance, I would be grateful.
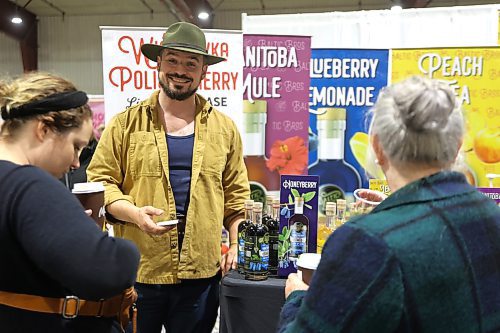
(367, 199)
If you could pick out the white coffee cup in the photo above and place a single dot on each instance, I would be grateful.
(307, 264)
(91, 196)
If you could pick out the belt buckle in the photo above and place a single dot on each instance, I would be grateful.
(65, 304)
(101, 306)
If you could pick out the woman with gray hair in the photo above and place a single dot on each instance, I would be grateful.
(427, 259)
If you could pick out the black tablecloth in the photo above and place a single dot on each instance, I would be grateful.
(250, 306)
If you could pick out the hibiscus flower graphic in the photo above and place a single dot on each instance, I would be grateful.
(288, 157)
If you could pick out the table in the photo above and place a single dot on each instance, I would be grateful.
(250, 306)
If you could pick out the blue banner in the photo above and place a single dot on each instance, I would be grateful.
(344, 85)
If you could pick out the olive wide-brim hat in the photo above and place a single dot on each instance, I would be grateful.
(181, 36)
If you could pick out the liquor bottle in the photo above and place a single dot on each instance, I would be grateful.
(298, 225)
(242, 227)
(257, 247)
(341, 208)
(268, 211)
(338, 178)
(352, 211)
(325, 229)
(273, 225)
(261, 178)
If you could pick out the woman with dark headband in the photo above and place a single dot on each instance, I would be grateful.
(60, 272)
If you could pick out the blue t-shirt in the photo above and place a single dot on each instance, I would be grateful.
(180, 156)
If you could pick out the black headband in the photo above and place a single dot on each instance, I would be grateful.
(55, 102)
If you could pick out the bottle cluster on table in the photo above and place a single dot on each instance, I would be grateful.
(336, 215)
(258, 240)
(258, 234)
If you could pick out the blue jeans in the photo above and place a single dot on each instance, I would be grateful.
(190, 306)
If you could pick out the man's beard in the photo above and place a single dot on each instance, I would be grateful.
(176, 95)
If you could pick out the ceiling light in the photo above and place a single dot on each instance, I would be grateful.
(16, 19)
(203, 15)
(396, 5)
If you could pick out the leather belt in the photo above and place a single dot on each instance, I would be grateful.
(69, 307)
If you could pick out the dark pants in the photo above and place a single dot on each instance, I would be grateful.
(190, 306)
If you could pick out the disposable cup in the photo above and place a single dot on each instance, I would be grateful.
(365, 205)
(91, 196)
(307, 264)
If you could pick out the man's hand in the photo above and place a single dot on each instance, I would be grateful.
(144, 219)
(230, 259)
(294, 282)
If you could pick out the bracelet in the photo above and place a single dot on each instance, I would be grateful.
(233, 243)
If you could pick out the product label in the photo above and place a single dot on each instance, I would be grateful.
(241, 248)
(298, 223)
(257, 254)
(328, 193)
(491, 192)
(257, 192)
(380, 185)
(298, 240)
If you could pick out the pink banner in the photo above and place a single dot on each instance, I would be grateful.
(275, 107)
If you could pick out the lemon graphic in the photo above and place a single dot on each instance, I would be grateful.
(359, 147)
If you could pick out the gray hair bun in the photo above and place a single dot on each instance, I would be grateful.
(418, 120)
(425, 105)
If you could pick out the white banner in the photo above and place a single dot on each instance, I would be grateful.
(130, 77)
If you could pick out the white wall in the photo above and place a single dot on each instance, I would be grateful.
(10, 56)
(72, 48)
(383, 29)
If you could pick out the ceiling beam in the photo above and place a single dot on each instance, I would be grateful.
(415, 3)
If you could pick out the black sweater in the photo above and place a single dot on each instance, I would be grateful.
(50, 247)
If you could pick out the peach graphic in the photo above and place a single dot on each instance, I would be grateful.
(487, 145)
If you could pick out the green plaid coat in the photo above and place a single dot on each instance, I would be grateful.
(427, 259)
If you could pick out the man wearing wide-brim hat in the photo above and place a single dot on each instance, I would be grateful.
(174, 157)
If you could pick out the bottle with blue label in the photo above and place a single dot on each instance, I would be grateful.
(257, 247)
(242, 227)
(299, 230)
(273, 225)
(338, 179)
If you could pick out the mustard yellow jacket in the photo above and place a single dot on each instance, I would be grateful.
(131, 160)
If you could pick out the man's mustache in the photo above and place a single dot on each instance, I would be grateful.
(180, 77)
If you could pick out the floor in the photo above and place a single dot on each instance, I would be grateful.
(215, 330)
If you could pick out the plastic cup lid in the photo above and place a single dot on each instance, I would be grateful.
(309, 260)
(88, 187)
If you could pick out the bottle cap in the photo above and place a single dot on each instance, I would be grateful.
(248, 203)
(331, 114)
(257, 206)
(331, 208)
(341, 204)
(299, 199)
(258, 106)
